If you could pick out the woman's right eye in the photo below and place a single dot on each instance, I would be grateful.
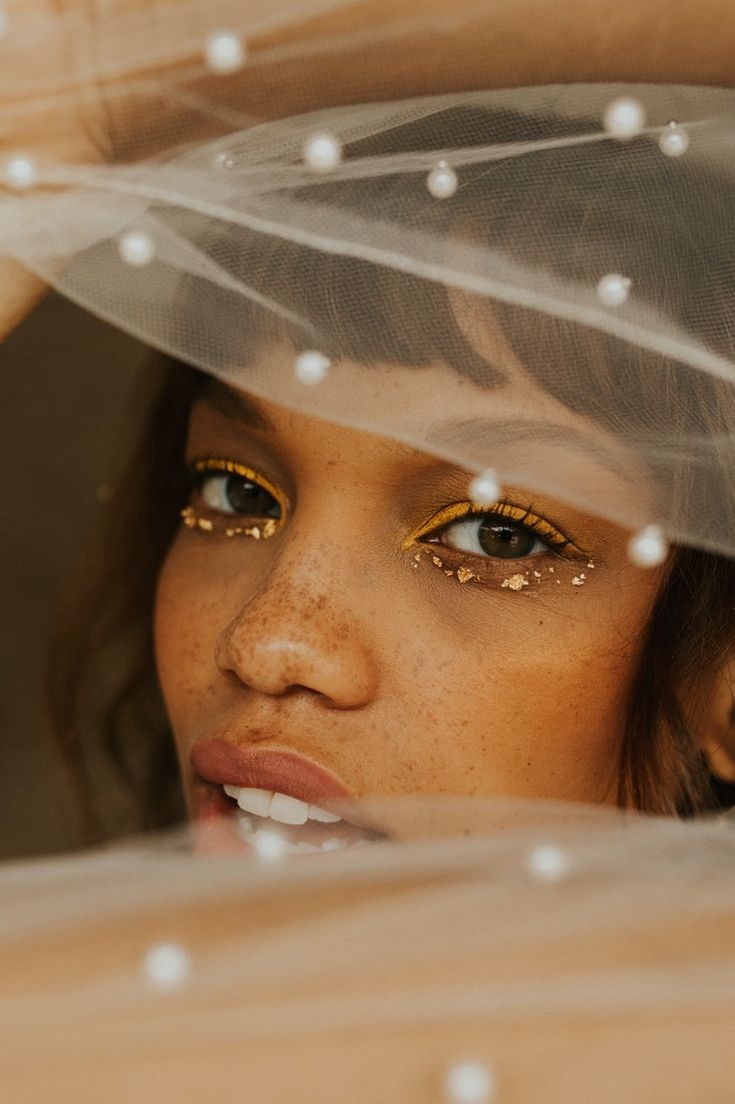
(235, 495)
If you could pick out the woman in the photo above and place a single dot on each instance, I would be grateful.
(336, 617)
(446, 509)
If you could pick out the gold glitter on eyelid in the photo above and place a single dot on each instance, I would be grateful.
(216, 464)
(460, 510)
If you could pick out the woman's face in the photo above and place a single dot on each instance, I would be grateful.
(384, 631)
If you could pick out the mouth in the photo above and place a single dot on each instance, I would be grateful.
(276, 803)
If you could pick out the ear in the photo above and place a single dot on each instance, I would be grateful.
(717, 729)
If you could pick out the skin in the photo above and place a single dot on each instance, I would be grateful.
(332, 639)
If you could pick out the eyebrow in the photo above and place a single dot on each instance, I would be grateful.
(480, 430)
(235, 405)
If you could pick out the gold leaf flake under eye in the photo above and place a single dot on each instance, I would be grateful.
(515, 582)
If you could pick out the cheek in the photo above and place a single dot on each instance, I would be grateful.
(524, 696)
(186, 621)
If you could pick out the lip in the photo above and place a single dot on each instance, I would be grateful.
(224, 763)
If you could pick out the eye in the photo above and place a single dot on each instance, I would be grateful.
(492, 536)
(502, 532)
(228, 488)
(233, 494)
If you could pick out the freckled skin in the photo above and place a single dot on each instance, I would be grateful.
(323, 639)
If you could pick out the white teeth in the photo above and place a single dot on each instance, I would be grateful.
(278, 806)
(251, 800)
(322, 815)
(287, 810)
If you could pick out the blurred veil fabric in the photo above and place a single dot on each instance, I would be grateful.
(337, 207)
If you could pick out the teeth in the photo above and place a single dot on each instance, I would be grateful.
(288, 810)
(251, 800)
(278, 806)
(322, 815)
(269, 845)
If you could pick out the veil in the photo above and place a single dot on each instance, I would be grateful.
(523, 268)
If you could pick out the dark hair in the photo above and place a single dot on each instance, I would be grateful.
(403, 318)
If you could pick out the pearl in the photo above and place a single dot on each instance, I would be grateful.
(649, 547)
(269, 845)
(674, 141)
(469, 1083)
(322, 152)
(311, 367)
(613, 289)
(136, 248)
(224, 52)
(548, 863)
(20, 172)
(167, 966)
(224, 160)
(442, 181)
(485, 490)
(624, 117)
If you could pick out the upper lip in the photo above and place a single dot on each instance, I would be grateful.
(279, 769)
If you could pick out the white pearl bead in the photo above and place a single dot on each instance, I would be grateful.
(485, 489)
(20, 172)
(613, 289)
(674, 141)
(548, 863)
(649, 547)
(224, 160)
(224, 52)
(167, 966)
(269, 845)
(469, 1083)
(442, 181)
(136, 248)
(624, 117)
(311, 367)
(322, 152)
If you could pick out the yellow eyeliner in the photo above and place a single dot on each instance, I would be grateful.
(216, 464)
(518, 514)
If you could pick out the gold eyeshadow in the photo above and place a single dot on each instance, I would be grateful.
(522, 516)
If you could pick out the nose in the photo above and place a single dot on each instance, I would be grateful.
(299, 632)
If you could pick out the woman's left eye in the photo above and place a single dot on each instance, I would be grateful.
(492, 537)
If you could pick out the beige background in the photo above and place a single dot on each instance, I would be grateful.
(66, 385)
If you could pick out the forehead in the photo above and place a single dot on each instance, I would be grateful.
(526, 435)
